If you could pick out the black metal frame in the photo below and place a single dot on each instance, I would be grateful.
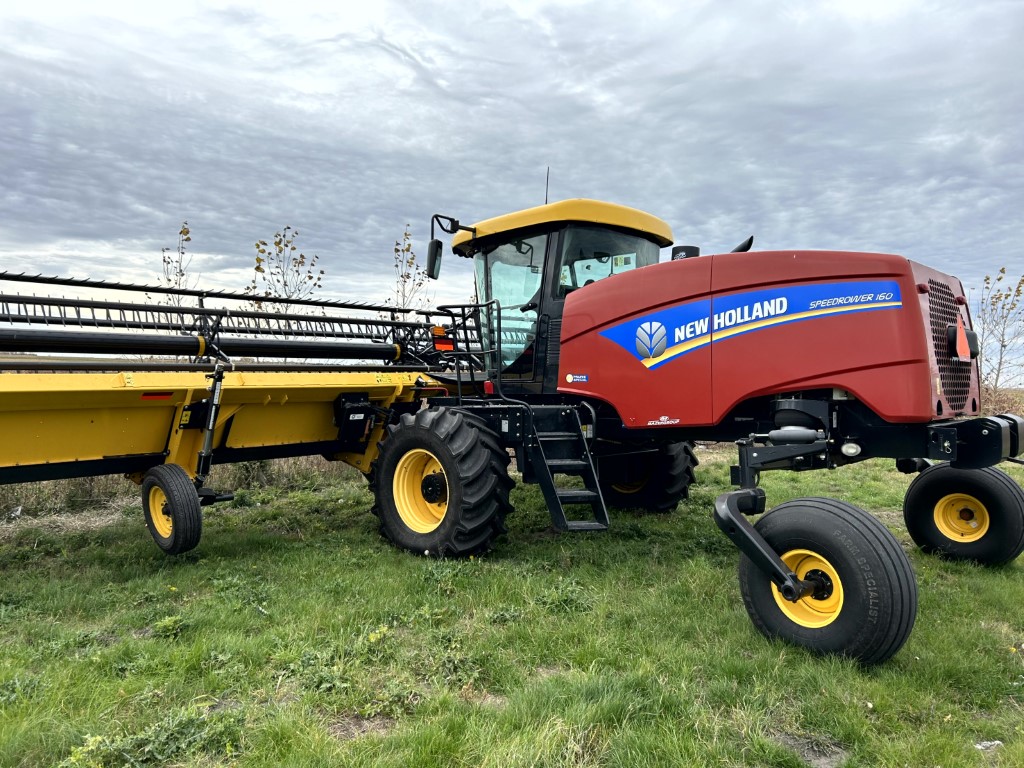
(73, 326)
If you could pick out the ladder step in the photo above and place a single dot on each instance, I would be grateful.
(585, 525)
(559, 447)
(576, 496)
(557, 436)
(567, 466)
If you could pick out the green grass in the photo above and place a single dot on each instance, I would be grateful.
(294, 635)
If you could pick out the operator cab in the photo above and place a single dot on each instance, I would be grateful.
(529, 261)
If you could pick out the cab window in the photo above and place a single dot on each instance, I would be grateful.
(511, 273)
(590, 254)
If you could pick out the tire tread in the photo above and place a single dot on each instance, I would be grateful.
(1007, 506)
(891, 633)
(482, 472)
(183, 500)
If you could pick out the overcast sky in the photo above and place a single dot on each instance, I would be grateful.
(890, 125)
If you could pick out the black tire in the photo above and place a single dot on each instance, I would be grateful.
(869, 609)
(441, 484)
(655, 481)
(170, 503)
(966, 514)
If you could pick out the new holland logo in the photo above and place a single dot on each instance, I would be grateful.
(670, 332)
(651, 339)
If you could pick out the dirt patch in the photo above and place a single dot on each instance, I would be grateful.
(353, 726)
(225, 705)
(487, 699)
(545, 672)
(816, 754)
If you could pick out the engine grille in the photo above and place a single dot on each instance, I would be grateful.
(954, 374)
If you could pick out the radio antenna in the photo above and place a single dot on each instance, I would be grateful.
(547, 179)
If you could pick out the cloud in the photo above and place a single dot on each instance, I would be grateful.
(887, 127)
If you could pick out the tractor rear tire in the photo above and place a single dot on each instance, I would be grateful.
(171, 505)
(966, 514)
(653, 481)
(441, 483)
(868, 600)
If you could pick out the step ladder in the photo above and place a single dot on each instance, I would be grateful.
(557, 446)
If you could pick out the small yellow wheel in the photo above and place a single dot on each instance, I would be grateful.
(172, 509)
(961, 517)
(421, 490)
(826, 603)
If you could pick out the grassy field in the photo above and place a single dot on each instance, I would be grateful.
(294, 635)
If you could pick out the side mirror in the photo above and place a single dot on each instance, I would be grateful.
(685, 252)
(433, 259)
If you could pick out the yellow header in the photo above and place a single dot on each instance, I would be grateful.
(579, 209)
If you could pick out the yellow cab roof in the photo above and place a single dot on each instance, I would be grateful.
(579, 209)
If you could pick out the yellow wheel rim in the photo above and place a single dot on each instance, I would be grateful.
(421, 491)
(825, 605)
(634, 486)
(162, 522)
(627, 488)
(961, 517)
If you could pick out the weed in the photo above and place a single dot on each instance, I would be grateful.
(18, 688)
(443, 576)
(223, 664)
(506, 615)
(374, 645)
(425, 615)
(452, 665)
(320, 671)
(169, 627)
(243, 498)
(392, 699)
(242, 593)
(566, 596)
(181, 734)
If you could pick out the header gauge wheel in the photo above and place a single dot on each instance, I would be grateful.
(171, 505)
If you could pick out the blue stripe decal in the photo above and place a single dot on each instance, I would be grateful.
(662, 336)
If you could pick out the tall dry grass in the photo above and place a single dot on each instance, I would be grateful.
(56, 497)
